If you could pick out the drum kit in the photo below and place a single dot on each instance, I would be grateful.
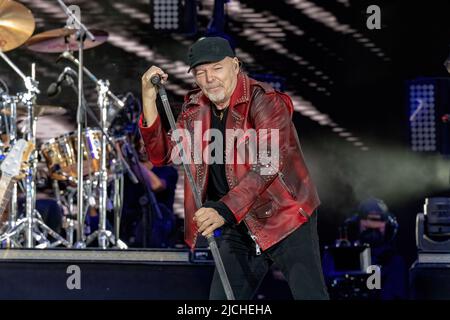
(86, 161)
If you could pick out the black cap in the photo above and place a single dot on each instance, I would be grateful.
(209, 49)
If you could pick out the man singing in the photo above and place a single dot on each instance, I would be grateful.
(263, 201)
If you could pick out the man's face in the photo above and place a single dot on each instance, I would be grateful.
(373, 221)
(218, 79)
(372, 224)
(372, 232)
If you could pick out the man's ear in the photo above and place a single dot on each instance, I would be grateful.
(236, 63)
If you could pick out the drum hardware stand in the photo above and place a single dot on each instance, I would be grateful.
(81, 241)
(103, 89)
(13, 138)
(68, 222)
(32, 218)
(82, 32)
(104, 236)
(117, 200)
(39, 236)
(120, 166)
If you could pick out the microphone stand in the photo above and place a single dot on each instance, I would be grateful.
(67, 55)
(156, 80)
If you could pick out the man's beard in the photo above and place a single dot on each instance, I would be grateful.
(216, 97)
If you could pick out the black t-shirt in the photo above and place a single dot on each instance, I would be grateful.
(217, 181)
(217, 184)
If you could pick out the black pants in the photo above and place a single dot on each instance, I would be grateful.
(297, 256)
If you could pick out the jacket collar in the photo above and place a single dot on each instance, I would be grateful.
(241, 92)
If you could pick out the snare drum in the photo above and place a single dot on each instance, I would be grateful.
(60, 154)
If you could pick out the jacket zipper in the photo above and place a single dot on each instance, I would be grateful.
(252, 236)
(257, 247)
(281, 175)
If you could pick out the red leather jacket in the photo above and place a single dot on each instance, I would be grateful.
(271, 205)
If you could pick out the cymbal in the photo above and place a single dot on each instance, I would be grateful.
(60, 40)
(16, 24)
(49, 110)
(39, 110)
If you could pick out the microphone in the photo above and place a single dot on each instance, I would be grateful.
(65, 55)
(156, 79)
(3, 87)
(55, 87)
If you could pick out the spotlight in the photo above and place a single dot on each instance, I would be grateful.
(433, 226)
(427, 100)
(174, 16)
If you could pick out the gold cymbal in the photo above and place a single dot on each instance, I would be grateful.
(49, 110)
(16, 24)
(60, 40)
(49, 35)
(39, 110)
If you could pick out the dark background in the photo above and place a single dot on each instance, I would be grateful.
(363, 91)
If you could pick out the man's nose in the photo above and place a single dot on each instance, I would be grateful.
(209, 77)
